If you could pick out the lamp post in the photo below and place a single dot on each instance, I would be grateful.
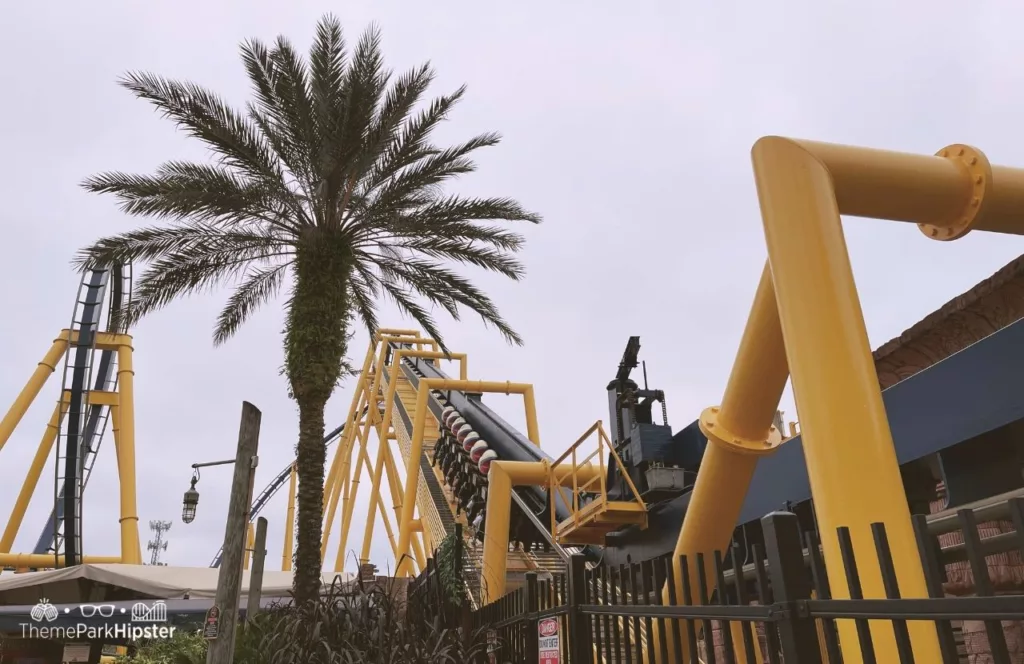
(229, 578)
(191, 499)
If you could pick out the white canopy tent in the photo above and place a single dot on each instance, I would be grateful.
(64, 586)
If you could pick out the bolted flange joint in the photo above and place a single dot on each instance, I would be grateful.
(978, 172)
(711, 426)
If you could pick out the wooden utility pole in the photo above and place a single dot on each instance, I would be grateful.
(259, 557)
(229, 580)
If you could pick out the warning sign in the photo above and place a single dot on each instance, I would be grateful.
(548, 644)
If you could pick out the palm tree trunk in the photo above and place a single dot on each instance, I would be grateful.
(315, 345)
(311, 456)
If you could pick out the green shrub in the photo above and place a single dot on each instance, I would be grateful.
(348, 625)
(182, 648)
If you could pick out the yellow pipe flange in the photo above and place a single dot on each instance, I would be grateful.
(711, 426)
(979, 170)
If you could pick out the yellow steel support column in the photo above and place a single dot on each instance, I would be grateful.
(375, 500)
(48, 560)
(31, 390)
(370, 393)
(378, 472)
(358, 398)
(397, 492)
(803, 188)
(32, 478)
(501, 477)
(131, 551)
(385, 427)
(494, 565)
(412, 478)
(289, 523)
(851, 461)
(739, 432)
(340, 484)
(353, 489)
(332, 474)
(412, 475)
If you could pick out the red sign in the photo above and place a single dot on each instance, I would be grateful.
(548, 644)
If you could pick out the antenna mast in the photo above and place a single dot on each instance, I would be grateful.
(158, 544)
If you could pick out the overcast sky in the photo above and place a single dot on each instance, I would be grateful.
(628, 129)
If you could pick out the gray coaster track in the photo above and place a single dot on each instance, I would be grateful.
(84, 426)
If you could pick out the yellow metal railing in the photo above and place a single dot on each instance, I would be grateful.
(560, 471)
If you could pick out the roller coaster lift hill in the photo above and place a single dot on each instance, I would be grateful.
(636, 490)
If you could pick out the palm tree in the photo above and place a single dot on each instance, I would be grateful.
(328, 183)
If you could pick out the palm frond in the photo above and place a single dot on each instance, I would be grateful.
(201, 192)
(232, 137)
(190, 237)
(271, 114)
(260, 285)
(364, 292)
(177, 275)
(294, 100)
(411, 145)
(446, 289)
(439, 247)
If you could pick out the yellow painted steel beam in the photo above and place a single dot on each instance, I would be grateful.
(494, 387)
(370, 393)
(103, 340)
(289, 522)
(412, 476)
(501, 477)
(350, 501)
(35, 471)
(397, 494)
(342, 487)
(494, 566)
(375, 504)
(353, 488)
(385, 427)
(739, 432)
(803, 188)
(358, 398)
(31, 390)
(131, 550)
(49, 561)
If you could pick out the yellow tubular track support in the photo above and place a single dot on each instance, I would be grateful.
(31, 390)
(397, 494)
(131, 550)
(353, 488)
(739, 432)
(351, 424)
(372, 418)
(341, 464)
(412, 471)
(846, 436)
(385, 427)
(803, 188)
(289, 523)
(501, 477)
(46, 560)
(375, 501)
(32, 479)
